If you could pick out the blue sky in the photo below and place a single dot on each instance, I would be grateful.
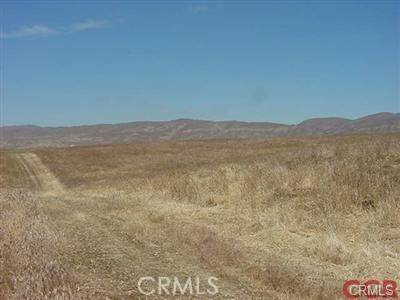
(106, 62)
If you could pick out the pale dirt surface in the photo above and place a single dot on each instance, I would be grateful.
(42, 178)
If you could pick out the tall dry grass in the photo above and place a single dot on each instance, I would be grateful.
(335, 206)
(284, 219)
(30, 262)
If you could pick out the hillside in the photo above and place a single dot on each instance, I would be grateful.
(187, 129)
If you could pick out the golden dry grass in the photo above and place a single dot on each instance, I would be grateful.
(30, 263)
(288, 218)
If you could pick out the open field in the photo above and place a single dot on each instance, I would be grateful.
(286, 218)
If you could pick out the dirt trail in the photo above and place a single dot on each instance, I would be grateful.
(42, 178)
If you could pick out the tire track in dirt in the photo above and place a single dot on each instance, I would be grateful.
(42, 178)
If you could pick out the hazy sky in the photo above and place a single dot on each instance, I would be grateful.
(84, 63)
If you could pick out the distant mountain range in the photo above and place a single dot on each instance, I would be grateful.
(188, 129)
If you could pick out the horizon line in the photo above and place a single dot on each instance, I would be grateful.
(194, 119)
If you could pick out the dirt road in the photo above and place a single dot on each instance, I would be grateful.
(114, 241)
(42, 178)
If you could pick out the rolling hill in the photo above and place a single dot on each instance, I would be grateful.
(187, 129)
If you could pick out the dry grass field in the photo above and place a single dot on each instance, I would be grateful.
(286, 218)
